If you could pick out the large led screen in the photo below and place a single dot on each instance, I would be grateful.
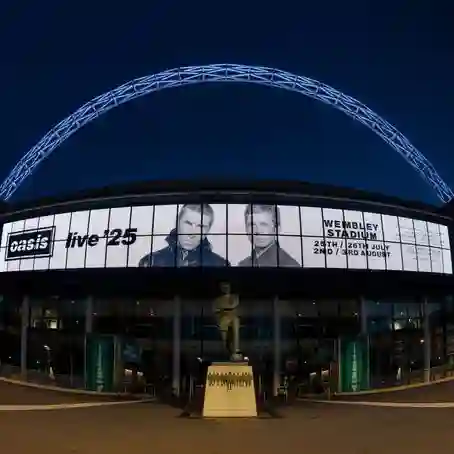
(217, 235)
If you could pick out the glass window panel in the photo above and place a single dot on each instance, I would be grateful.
(142, 220)
(62, 224)
(410, 261)
(96, 241)
(236, 221)
(393, 257)
(436, 256)
(328, 308)
(164, 219)
(262, 223)
(2, 261)
(307, 308)
(216, 254)
(46, 221)
(18, 226)
(42, 263)
(265, 256)
(193, 219)
(163, 251)
(373, 223)
(421, 232)
(334, 228)
(424, 262)
(289, 218)
(119, 237)
(444, 236)
(31, 224)
(239, 250)
(311, 221)
(356, 254)
(378, 309)
(390, 228)
(289, 252)
(407, 232)
(219, 224)
(349, 308)
(376, 255)
(447, 261)
(434, 234)
(139, 253)
(356, 230)
(77, 244)
(5, 231)
(58, 259)
(314, 252)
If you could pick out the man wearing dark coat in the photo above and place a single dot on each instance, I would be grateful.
(262, 226)
(187, 244)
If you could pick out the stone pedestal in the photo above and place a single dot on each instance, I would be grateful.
(229, 391)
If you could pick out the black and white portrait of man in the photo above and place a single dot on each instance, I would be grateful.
(262, 223)
(187, 243)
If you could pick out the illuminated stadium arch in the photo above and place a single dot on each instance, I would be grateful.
(223, 73)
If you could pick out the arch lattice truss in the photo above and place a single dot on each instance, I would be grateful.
(223, 73)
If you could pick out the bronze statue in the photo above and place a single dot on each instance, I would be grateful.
(225, 308)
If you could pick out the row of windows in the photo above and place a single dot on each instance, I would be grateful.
(234, 250)
(238, 219)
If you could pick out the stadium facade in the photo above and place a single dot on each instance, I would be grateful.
(336, 287)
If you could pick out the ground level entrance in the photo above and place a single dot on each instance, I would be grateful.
(163, 345)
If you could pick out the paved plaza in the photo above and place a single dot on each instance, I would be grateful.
(158, 429)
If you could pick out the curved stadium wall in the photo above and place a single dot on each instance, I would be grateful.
(99, 262)
(224, 227)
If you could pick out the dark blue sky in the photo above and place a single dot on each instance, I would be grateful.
(396, 56)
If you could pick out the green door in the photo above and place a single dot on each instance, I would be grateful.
(99, 363)
(354, 364)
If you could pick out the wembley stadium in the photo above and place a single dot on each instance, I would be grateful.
(318, 271)
(328, 289)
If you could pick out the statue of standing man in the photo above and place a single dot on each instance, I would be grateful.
(225, 308)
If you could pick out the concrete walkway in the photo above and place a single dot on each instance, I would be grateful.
(151, 428)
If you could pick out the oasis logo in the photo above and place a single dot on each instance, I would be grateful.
(30, 244)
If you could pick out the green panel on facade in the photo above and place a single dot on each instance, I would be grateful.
(100, 363)
(354, 365)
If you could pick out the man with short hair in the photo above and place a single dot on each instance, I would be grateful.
(262, 227)
(187, 243)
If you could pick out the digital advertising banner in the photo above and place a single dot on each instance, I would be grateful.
(217, 235)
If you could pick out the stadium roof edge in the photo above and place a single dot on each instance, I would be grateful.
(279, 186)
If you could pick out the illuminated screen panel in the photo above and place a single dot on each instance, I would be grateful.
(219, 235)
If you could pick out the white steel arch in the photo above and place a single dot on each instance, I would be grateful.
(223, 73)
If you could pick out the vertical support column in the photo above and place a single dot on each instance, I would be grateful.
(339, 361)
(363, 316)
(25, 319)
(427, 341)
(176, 346)
(366, 378)
(89, 315)
(276, 346)
(88, 331)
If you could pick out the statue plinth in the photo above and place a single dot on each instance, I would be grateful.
(229, 391)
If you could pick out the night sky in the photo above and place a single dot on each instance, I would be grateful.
(396, 56)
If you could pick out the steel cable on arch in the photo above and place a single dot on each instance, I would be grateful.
(223, 73)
